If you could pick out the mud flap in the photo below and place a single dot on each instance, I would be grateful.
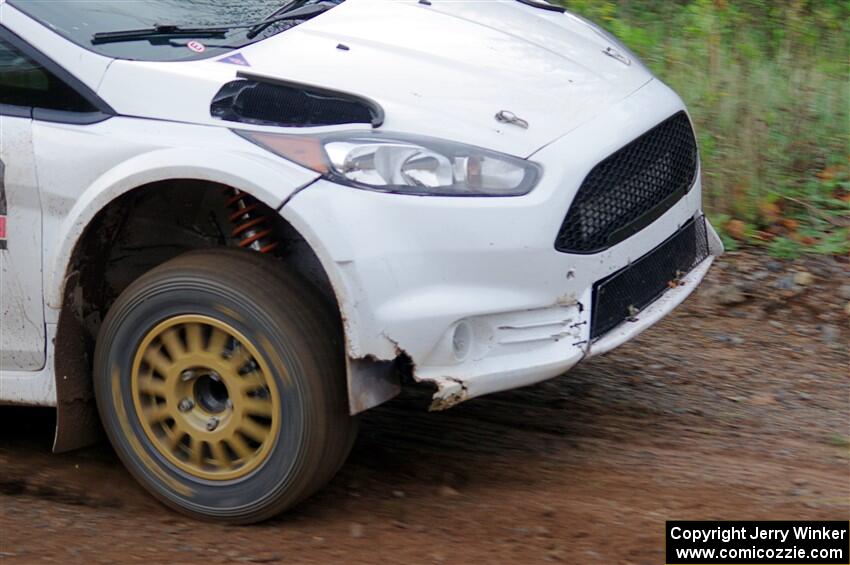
(77, 420)
(370, 383)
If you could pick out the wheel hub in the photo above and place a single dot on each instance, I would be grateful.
(211, 393)
(205, 397)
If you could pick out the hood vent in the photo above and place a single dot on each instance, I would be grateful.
(270, 102)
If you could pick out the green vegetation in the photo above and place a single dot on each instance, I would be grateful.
(768, 85)
(838, 440)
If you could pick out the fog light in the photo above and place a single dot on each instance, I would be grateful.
(462, 341)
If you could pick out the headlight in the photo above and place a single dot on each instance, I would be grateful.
(404, 164)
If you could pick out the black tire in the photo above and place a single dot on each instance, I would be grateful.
(299, 337)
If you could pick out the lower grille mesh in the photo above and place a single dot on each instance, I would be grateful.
(628, 291)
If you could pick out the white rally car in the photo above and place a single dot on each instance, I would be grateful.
(234, 225)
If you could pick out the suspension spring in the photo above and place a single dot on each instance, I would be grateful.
(251, 225)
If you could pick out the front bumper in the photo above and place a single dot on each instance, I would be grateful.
(472, 289)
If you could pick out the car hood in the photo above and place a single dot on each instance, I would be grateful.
(444, 70)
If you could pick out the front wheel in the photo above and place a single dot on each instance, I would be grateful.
(220, 381)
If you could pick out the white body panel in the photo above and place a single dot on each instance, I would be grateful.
(407, 270)
(31, 388)
(22, 343)
(433, 70)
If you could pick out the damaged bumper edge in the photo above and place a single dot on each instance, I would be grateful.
(450, 392)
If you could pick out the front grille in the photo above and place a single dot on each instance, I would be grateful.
(628, 291)
(631, 188)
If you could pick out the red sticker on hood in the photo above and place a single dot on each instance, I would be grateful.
(196, 46)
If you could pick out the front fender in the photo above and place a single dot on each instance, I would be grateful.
(255, 174)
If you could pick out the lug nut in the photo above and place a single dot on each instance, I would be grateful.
(187, 375)
(185, 405)
(229, 403)
(212, 424)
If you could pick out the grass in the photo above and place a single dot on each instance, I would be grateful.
(768, 86)
(838, 440)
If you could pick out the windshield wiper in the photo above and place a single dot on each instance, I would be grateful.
(302, 13)
(158, 31)
(254, 29)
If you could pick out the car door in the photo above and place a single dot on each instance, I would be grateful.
(22, 331)
(34, 91)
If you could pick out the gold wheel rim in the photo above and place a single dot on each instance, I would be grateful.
(205, 397)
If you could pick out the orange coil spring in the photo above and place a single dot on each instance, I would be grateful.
(251, 226)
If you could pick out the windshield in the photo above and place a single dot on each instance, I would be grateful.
(79, 20)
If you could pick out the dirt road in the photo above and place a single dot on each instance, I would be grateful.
(735, 407)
